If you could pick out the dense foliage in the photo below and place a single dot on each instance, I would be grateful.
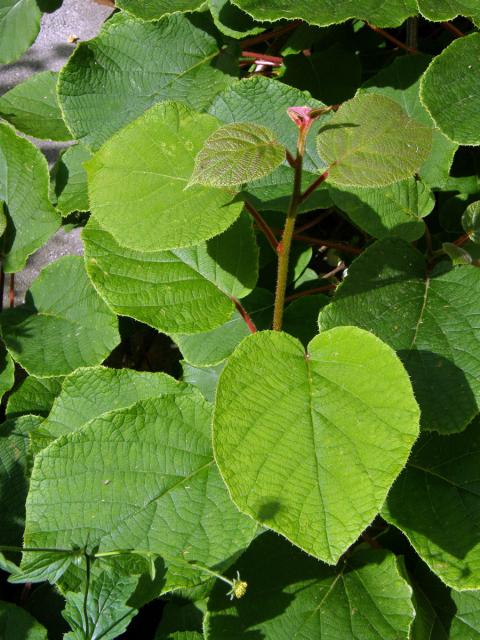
(255, 401)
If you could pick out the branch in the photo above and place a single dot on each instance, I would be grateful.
(328, 243)
(244, 313)
(453, 29)
(388, 36)
(309, 292)
(262, 58)
(263, 226)
(315, 184)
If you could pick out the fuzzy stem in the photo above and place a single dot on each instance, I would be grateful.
(284, 247)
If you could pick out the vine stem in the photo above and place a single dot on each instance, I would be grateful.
(285, 244)
(244, 313)
(393, 39)
(262, 225)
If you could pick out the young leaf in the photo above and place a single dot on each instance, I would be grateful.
(291, 595)
(63, 325)
(391, 14)
(450, 90)
(155, 9)
(371, 142)
(471, 221)
(294, 434)
(69, 180)
(430, 318)
(237, 153)
(112, 79)
(434, 502)
(32, 107)
(34, 396)
(183, 290)
(137, 182)
(141, 478)
(24, 184)
(19, 26)
(396, 210)
(18, 624)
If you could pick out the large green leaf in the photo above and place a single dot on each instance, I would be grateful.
(34, 395)
(19, 26)
(90, 392)
(235, 154)
(306, 446)
(154, 9)
(142, 478)
(265, 102)
(138, 182)
(432, 319)
(450, 90)
(69, 180)
(447, 9)
(400, 82)
(371, 142)
(63, 325)
(183, 290)
(32, 107)
(325, 12)
(24, 184)
(292, 596)
(15, 464)
(395, 210)
(131, 65)
(18, 624)
(436, 503)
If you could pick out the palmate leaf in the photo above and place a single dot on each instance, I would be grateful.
(138, 180)
(63, 325)
(19, 26)
(435, 502)
(430, 318)
(111, 80)
(439, 10)
(155, 9)
(450, 90)
(291, 595)
(32, 107)
(326, 12)
(294, 449)
(371, 142)
(235, 154)
(24, 184)
(141, 478)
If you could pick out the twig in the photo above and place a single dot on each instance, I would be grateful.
(393, 39)
(333, 272)
(320, 218)
(267, 35)
(462, 240)
(263, 226)
(453, 29)
(315, 184)
(262, 57)
(328, 243)
(309, 292)
(371, 541)
(244, 313)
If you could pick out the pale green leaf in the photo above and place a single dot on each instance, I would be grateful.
(19, 26)
(291, 595)
(431, 318)
(295, 433)
(471, 221)
(395, 210)
(138, 179)
(183, 290)
(104, 612)
(63, 325)
(265, 101)
(231, 21)
(204, 378)
(371, 142)
(235, 154)
(439, 10)
(450, 90)
(34, 396)
(18, 624)
(24, 184)
(7, 370)
(325, 12)
(141, 478)
(112, 79)
(155, 9)
(69, 180)
(90, 392)
(435, 502)
(32, 107)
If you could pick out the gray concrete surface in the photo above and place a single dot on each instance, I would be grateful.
(51, 50)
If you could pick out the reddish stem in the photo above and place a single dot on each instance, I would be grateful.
(393, 39)
(328, 243)
(290, 159)
(262, 57)
(315, 184)
(453, 29)
(371, 541)
(310, 292)
(267, 35)
(263, 226)
(11, 292)
(315, 221)
(462, 240)
(244, 313)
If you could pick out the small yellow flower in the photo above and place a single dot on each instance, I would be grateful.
(239, 588)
